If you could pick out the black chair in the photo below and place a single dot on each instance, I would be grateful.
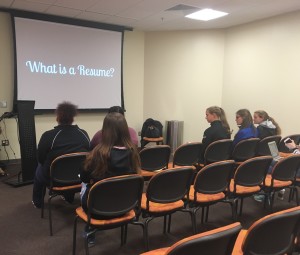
(187, 154)
(217, 151)
(282, 177)
(263, 148)
(210, 187)
(273, 234)
(110, 207)
(154, 159)
(283, 148)
(165, 194)
(244, 150)
(219, 241)
(64, 178)
(248, 179)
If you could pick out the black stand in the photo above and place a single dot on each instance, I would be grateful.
(26, 126)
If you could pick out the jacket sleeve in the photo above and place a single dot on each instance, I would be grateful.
(44, 147)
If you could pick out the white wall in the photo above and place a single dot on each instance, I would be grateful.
(183, 76)
(262, 71)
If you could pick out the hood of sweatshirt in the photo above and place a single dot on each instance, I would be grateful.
(268, 124)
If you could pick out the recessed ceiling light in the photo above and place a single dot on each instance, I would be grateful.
(206, 14)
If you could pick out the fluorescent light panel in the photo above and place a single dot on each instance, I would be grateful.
(206, 14)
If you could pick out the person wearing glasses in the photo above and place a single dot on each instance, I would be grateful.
(244, 121)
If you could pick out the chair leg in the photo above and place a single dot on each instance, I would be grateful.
(50, 216)
(206, 215)
(146, 232)
(74, 235)
(202, 214)
(145, 236)
(241, 206)
(43, 202)
(169, 223)
(165, 224)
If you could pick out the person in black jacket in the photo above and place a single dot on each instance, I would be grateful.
(219, 127)
(64, 138)
(115, 155)
(267, 126)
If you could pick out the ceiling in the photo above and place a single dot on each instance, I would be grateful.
(153, 15)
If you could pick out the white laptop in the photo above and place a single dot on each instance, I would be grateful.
(274, 150)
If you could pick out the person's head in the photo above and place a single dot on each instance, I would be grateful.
(65, 113)
(114, 133)
(115, 130)
(118, 109)
(259, 116)
(243, 118)
(217, 113)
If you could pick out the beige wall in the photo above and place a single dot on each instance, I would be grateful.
(177, 75)
(262, 70)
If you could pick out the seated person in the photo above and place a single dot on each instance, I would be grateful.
(115, 155)
(246, 128)
(64, 138)
(98, 136)
(267, 126)
(219, 127)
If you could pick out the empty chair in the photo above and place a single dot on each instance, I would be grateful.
(248, 179)
(273, 234)
(64, 178)
(283, 148)
(112, 203)
(282, 177)
(263, 148)
(244, 150)
(210, 187)
(164, 195)
(219, 241)
(153, 159)
(217, 151)
(187, 154)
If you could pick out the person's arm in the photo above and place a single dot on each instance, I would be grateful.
(133, 136)
(96, 139)
(293, 147)
(44, 147)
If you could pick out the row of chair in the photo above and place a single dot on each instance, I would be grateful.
(273, 234)
(172, 190)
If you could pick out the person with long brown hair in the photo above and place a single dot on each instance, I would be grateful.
(244, 121)
(115, 155)
(267, 126)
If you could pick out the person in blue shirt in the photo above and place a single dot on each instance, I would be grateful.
(247, 130)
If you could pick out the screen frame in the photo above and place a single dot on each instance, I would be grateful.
(69, 21)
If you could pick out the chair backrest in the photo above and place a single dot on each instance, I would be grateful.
(187, 154)
(170, 185)
(155, 158)
(218, 151)
(214, 178)
(283, 148)
(263, 148)
(252, 172)
(115, 196)
(65, 169)
(245, 149)
(273, 234)
(286, 168)
(219, 241)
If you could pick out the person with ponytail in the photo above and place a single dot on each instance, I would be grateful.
(267, 126)
(219, 127)
(244, 121)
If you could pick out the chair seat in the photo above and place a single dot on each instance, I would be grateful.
(122, 219)
(160, 207)
(65, 188)
(243, 189)
(276, 183)
(205, 198)
(154, 140)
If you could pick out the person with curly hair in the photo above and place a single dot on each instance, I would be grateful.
(62, 139)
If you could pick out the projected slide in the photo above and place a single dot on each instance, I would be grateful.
(59, 62)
